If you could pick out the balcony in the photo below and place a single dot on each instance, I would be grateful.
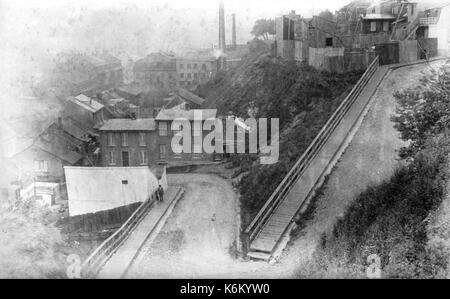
(428, 21)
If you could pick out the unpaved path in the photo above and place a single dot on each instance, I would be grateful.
(196, 240)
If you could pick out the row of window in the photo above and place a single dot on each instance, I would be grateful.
(162, 131)
(189, 66)
(143, 158)
(373, 26)
(143, 155)
(189, 75)
(124, 139)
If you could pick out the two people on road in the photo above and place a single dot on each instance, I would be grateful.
(160, 193)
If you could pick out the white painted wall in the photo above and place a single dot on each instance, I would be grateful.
(93, 189)
(441, 31)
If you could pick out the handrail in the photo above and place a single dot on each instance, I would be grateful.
(281, 191)
(101, 254)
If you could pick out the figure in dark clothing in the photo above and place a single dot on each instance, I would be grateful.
(160, 193)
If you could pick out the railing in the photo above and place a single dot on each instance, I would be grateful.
(313, 149)
(428, 21)
(101, 255)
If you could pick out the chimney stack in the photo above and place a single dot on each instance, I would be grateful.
(233, 35)
(222, 46)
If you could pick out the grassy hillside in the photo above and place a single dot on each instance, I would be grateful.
(392, 219)
(300, 96)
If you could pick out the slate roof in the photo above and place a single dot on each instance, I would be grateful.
(171, 114)
(86, 102)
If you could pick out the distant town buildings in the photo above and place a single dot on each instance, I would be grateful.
(156, 69)
(194, 69)
(77, 73)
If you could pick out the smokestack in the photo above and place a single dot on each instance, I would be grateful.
(222, 46)
(233, 34)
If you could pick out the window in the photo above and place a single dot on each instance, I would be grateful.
(328, 42)
(189, 66)
(112, 158)
(195, 76)
(162, 151)
(195, 66)
(41, 165)
(162, 128)
(395, 10)
(385, 26)
(182, 75)
(111, 139)
(181, 66)
(143, 157)
(189, 76)
(142, 139)
(373, 26)
(124, 139)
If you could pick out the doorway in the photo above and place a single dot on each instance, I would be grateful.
(125, 159)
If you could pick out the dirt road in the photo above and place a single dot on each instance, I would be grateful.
(197, 239)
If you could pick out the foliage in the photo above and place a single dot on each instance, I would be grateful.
(30, 246)
(264, 28)
(423, 110)
(303, 99)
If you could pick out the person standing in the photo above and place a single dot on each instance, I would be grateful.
(160, 193)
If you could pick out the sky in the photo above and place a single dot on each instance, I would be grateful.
(33, 31)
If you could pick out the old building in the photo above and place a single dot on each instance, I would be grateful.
(194, 69)
(292, 37)
(86, 110)
(146, 141)
(77, 73)
(164, 123)
(435, 23)
(128, 142)
(157, 69)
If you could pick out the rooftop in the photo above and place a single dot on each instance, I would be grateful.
(86, 102)
(378, 16)
(127, 124)
(194, 114)
(189, 96)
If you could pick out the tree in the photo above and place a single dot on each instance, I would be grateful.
(423, 110)
(264, 28)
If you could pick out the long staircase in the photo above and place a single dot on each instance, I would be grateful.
(271, 225)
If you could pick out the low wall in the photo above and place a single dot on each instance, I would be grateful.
(93, 189)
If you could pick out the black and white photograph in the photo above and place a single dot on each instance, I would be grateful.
(208, 141)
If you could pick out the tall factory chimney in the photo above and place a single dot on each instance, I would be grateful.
(233, 33)
(222, 45)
